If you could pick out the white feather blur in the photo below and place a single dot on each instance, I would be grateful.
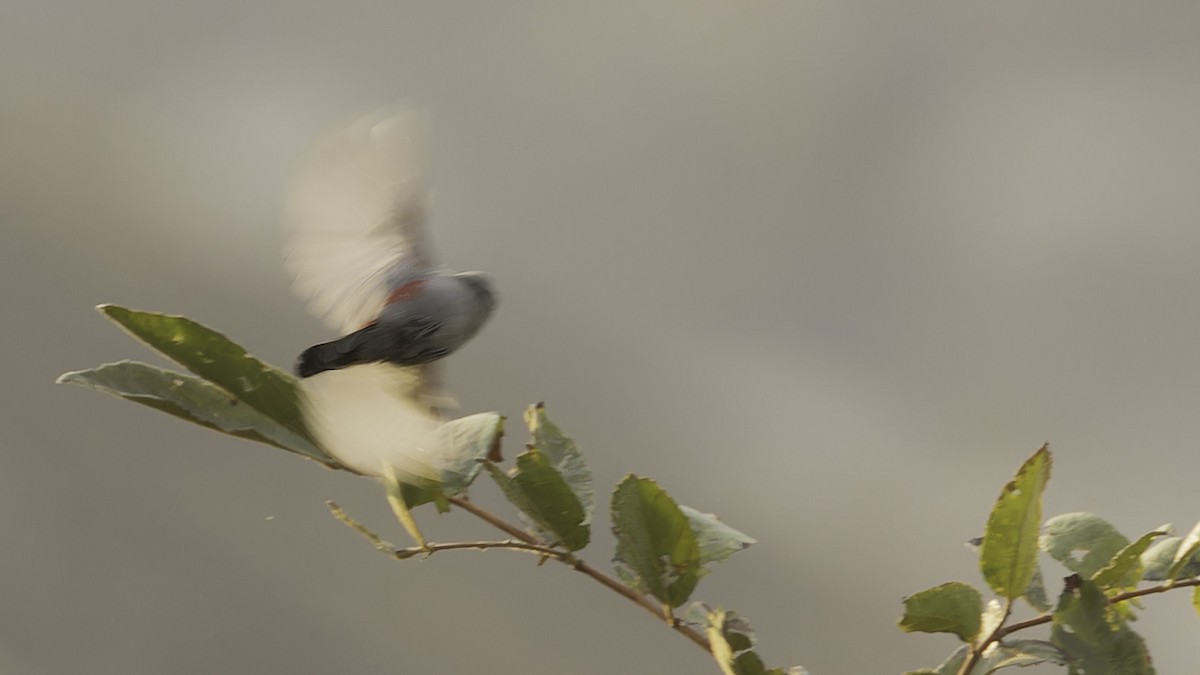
(354, 227)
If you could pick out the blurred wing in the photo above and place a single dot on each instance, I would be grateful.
(354, 221)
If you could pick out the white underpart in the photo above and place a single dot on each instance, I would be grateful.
(368, 418)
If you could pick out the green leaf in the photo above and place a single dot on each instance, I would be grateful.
(952, 607)
(1070, 534)
(717, 541)
(1008, 555)
(656, 549)
(1035, 594)
(415, 495)
(563, 455)
(1196, 599)
(536, 488)
(217, 359)
(1162, 556)
(465, 445)
(1094, 638)
(195, 400)
(1125, 568)
(1157, 560)
(1184, 555)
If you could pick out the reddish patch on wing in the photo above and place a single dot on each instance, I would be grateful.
(406, 292)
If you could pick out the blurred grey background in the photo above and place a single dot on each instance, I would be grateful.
(830, 270)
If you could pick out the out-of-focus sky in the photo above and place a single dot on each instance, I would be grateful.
(830, 270)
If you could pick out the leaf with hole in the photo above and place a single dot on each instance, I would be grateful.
(1008, 555)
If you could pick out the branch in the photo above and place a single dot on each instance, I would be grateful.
(521, 541)
(430, 547)
(1121, 597)
(1002, 631)
(586, 569)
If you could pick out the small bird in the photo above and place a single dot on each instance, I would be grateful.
(422, 320)
(357, 250)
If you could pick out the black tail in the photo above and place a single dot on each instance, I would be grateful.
(343, 352)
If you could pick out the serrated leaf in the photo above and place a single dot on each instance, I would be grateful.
(1009, 551)
(1184, 555)
(217, 359)
(1096, 641)
(656, 548)
(540, 492)
(1066, 536)
(564, 455)
(1158, 560)
(465, 443)
(1125, 568)
(195, 400)
(952, 607)
(717, 541)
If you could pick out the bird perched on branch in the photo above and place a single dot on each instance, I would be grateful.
(357, 250)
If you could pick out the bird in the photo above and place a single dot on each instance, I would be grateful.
(423, 319)
(357, 249)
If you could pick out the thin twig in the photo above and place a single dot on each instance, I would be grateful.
(1002, 631)
(510, 544)
(1120, 597)
(586, 569)
(492, 519)
(430, 547)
